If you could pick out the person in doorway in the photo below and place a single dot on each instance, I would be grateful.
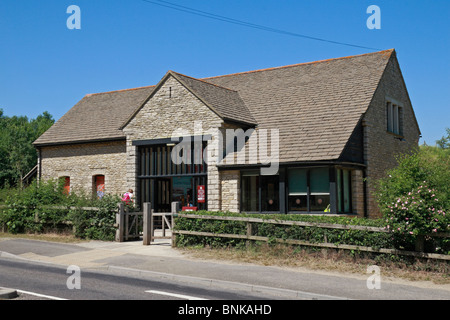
(128, 197)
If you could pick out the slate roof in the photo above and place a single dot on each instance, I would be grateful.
(96, 117)
(225, 102)
(316, 106)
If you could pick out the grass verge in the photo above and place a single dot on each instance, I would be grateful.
(54, 237)
(328, 260)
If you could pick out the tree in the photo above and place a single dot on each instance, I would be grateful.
(17, 154)
(444, 142)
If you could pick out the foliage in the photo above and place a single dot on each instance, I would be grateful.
(417, 213)
(414, 198)
(46, 206)
(17, 154)
(96, 224)
(428, 164)
(22, 214)
(444, 142)
(277, 231)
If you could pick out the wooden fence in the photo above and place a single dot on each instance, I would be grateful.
(249, 235)
(131, 225)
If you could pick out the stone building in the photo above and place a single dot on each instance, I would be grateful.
(306, 138)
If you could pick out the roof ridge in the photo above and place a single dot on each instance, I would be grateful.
(201, 80)
(244, 72)
(121, 90)
(300, 64)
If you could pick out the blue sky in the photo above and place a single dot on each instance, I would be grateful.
(122, 44)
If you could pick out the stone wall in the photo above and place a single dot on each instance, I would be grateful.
(81, 162)
(381, 146)
(357, 183)
(173, 111)
(230, 184)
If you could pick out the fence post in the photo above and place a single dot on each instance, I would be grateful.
(420, 243)
(120, 219)
(148, 224)
(249, 233)
(175, 209)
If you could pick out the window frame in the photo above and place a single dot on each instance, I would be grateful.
(95, 190)
(259, 191)
(309, 194)
(394, 117)
(341, 190)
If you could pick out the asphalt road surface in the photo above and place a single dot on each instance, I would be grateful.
(127, 271)
(58, 283)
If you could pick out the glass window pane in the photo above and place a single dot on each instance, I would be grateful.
(298, 203)
(395, 119)
(347, 189)
(339, 189)
(297, 182)
(319, 181)
(319, 202)
(250, 193)
(270, 193)
(389, 117)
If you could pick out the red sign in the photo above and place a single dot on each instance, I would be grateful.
(201, 194)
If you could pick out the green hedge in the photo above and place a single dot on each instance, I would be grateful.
(33, 210)
(286, 232)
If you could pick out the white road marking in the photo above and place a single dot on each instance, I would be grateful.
(40, 295)
(181, 296)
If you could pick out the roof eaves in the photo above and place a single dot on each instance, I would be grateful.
(72, 142)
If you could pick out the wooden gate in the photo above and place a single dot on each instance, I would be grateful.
(133, 225)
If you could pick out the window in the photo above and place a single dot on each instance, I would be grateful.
(270, 196)
(309, 189)
(98, 186)
(250, 191)
(259, 193)
(298, 190)
(394, 113)
(156, 160)
(66, 183)
(320, 189)
(343, 182)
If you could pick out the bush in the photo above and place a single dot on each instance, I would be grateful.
(21, 212)
(416, 214)
(93, 224)
(414, 197)
(278, 231)
(33, 210)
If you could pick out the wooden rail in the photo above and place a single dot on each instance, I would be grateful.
(129, 224)
(249, 235)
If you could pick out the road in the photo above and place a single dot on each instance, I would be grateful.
(121, 271)
(58, 283)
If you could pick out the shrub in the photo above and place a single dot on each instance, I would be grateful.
(21, 212)
(278, 231)
(414, 198)
(33, 210)
(417, 213)
(96, 224)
